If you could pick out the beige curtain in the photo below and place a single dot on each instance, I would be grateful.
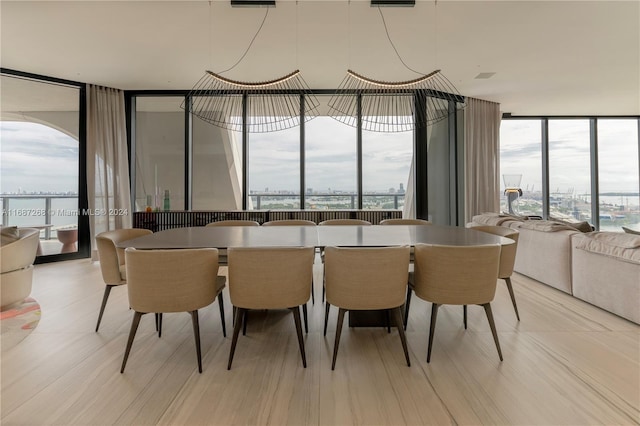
(481, 157)
(107, 162)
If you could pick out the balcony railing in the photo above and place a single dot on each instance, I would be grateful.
(347, 201)
(18, 210)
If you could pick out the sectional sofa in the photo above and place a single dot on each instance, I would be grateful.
(602, 268)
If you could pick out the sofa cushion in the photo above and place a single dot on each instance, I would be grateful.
(9, 234)
(625, 247)
(579, 226)
(546, 226)
(494, 219)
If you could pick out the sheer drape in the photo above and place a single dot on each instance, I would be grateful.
(482, 162)
(107, 162)
(409, 209)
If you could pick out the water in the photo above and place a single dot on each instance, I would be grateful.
(31, 212)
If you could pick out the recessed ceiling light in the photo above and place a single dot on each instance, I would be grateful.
(484, 75)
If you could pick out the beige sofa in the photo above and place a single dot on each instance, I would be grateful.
(606, 272)
(602, 268)
(17, 254)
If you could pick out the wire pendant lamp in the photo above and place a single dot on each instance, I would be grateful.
(392, 106)
(271, 105)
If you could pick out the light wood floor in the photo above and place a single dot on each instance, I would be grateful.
(566, 362)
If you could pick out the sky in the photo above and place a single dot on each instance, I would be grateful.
(569, 154)
(35, 158)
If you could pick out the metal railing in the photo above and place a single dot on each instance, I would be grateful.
(329, 201)
(46, 213)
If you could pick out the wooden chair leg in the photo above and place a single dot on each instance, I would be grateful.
(397, 317)
(513, 297)
(196, 335)
(306, 321)
(464, 316)
(432, 328)
(406, 308)
(338, 332)
(105, 297)
(132, 335)
(221, 305)
(296, 319)
(492, 324)
(236, 331)
(326, 316)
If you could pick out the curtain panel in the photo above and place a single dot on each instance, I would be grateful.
(108, 187)
(481, 157)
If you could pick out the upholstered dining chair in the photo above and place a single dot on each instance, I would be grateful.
(366, 279)
(338, 222)
(344, 222)
(295, 222)
(112, 260)
(222, 253)
(405, 222)
(269, 278)
(164, 281)
(456, 275)
(507, 258)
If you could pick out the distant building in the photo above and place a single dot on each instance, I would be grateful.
(401, 189)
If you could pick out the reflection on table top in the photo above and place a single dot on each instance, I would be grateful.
(310, 236)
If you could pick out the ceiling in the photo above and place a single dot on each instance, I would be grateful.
(549, 57)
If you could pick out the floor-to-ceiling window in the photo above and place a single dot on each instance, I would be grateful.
(618, 175)
(40, 165)
(583, 153)
(569, 169)
(521, 165)
(159, 153)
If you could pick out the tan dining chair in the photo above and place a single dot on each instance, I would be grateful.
(344, 222)
(269, 278)
(456, 275)
(112, 260)
(507, 258)
(338, 222)
(405, 222)
(222, 253)
(297, 222)
(164, 281)
(366, 279)
(290, 222)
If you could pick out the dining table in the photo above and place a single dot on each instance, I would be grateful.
(224, 237)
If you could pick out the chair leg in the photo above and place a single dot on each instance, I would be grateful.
(513, 297)
(132, 335)
(221, 304)
(386, 314)
(105, 297)
(313, 296)
(156, 318)
(306, 322)
(406, 308)
(296, 319)
(492, 324)
(464, 316)
(196, 335)
(159, 325)
(432, 328)
(326, 316)
(245, 317)
(338, 332)
(397, 316)
(236, 331)
(233, 316)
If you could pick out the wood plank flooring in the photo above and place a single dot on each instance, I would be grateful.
(565, 363)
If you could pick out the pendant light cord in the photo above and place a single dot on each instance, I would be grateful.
(393, 45)
(250, 44)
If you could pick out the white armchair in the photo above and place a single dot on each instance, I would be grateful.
(17, 254)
